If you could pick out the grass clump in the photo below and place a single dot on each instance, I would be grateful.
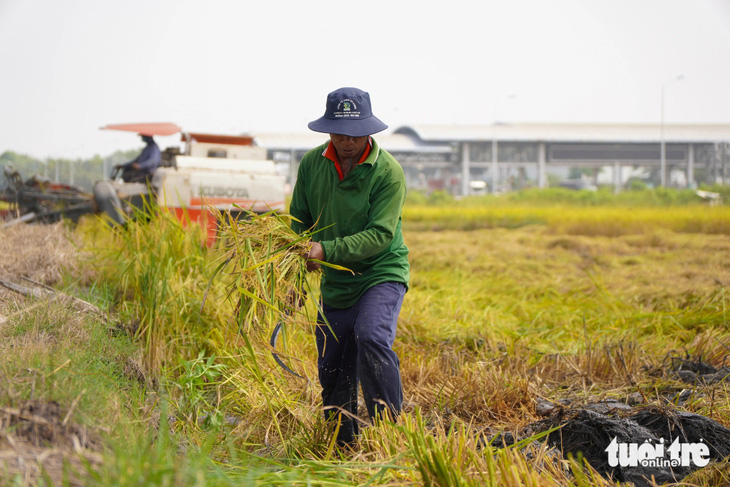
(67, 393)
(155, 267)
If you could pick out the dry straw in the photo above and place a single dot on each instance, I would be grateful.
(40, 252)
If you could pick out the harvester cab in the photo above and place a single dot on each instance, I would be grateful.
(228, 173)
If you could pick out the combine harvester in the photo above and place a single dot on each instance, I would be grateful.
(214, 171)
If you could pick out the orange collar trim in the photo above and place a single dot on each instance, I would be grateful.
(331, 154)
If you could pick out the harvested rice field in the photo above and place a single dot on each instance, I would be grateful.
(534, 350)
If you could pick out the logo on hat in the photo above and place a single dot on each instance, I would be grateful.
(345, 109)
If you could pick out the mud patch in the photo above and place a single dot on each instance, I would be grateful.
(38, 441)
(588, 431)
(696, 371)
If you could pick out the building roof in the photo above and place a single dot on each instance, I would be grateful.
(570, 132)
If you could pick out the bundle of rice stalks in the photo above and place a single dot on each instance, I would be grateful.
(265, 262)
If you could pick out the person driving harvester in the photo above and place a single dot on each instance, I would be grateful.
(140, 168)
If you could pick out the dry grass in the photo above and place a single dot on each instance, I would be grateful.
(40, 252)
(504, 281)
(501, 321)
(509, 317)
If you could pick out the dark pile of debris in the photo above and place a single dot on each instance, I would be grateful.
(640, 444)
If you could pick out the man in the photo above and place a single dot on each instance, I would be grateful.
(141, 168)
(351, 192)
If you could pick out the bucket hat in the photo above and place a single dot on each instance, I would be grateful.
(348, 112)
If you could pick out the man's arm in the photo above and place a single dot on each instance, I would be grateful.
(129, 164)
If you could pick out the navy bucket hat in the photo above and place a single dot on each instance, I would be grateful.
(348, 112)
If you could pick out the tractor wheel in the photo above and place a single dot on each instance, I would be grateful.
(108, 202)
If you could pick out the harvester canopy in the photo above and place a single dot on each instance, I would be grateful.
(159, 128)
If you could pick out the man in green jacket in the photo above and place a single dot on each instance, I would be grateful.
(351, 192)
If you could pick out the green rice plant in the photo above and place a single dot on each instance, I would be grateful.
(156, 263)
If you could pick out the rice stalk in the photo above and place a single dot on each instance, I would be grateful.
(422, 452)
(263, 265)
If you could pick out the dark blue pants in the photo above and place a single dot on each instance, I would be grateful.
(360, 352)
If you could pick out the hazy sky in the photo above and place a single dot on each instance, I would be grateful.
(68, 67)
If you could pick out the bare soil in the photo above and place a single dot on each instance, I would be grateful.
(39, 441)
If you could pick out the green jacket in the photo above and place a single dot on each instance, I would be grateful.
(359, 219)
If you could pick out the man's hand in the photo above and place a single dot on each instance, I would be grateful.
(296, 299)
(315, 252)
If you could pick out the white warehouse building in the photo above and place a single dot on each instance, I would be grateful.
(503, 157)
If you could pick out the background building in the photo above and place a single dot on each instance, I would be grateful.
(503, 157)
